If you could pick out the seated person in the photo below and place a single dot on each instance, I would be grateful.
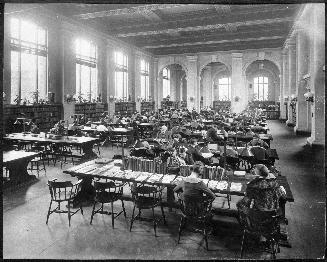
(256, 141)
(187, 158)
(262, 193)
(212, 134)
(163, 134)
(249, 132)
(174, 162)
(195, 154)
(34, 129)
(192, 186)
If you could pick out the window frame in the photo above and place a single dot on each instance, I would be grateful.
(145, 80)
(124, 69)
(88, 61)
(261, 86)
(165, 79)
(33, 48)
(229, 88)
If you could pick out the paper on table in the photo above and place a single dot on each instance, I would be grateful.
(236, 187)
(142, 177)
(155, 178)
(205, 181)
(167, 179)
(178, 179)
(239, 172)
(212, 184)
(207, 155)
(222, 185)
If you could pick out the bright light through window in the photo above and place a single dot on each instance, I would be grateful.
(86, 69)
(165, 82)
(29, 61)
(145, 92)
(261, 88)
(224, 89)
(121, 76)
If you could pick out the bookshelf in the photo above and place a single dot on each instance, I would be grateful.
(147, 107)
(44, 116)
(91, 110)
(125, 108)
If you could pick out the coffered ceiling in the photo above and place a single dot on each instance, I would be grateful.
(163, 29)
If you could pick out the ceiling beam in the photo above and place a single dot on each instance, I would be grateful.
(125, 11)
(208, 27)
(216, 42)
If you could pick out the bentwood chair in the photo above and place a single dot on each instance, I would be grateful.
(106, 192)
(259, 223)
(63, 192)
(196, 211)
(147, 197)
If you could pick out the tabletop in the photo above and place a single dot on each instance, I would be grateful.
(234, 185)
(13, 155)
(63, 139)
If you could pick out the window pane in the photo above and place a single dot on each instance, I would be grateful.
(119, 84)
(78, 79)
(94, 86)
(28, 76)
(42, 77)
(85, 82)
(28, 32)
(223, 81)
(14, 28)
(14, 76)
(41, 35)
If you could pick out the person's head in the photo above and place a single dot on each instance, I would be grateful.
(182, 152)
(194, 142)
(198, 168)
(261, 170)
(163, 129)
(172, 151)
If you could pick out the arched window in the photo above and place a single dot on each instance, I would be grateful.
(165, 82)
(224, 89)
(261, 88)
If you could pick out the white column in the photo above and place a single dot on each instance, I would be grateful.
(317, 74)
(302, 54)
(238, 85)
(291, 79)
(155, 82)
(192, 83)
(283, 85)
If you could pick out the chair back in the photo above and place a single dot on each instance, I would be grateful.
(258, 152)
(195, 207)
(146, 195)
(265, 222)
(63, 191)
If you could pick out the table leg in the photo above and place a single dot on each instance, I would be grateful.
(88, 153)
(87, 193)
(170, 198)
(18, 172)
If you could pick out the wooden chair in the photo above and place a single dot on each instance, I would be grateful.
(63, 192)
(108, 192)
(38, 163)
(147, 197)
(198, 212)
(261, 223)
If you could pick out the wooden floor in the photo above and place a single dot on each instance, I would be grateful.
(25, 234)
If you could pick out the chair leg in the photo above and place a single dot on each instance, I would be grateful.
(69, 217)
(123, 206)
(112, 214)
(154, 222)
(81, 208)
(130, 228)
(180, 229)
(205, 233)
(163, 215)
(49, 212)
(92, 212)
(243, 244)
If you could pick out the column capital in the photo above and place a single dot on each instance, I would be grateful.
(155, 59)
(237, 55)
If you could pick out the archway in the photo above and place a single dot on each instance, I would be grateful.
(210, 94)
(172, 83)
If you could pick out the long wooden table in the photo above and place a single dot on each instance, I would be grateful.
(16, 162)
(91, 170)
(86, 143)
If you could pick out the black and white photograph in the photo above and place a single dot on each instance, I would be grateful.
(168, 130)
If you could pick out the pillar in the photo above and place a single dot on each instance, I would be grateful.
(284, 85)
(68, 72)
(238, 87)
(192, 83)
(155, 86)
(317, 74)
(291, 79)
(302, 54)
(110, 78)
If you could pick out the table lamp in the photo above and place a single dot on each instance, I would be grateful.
(23, 121)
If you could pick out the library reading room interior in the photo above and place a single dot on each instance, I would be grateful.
(171, 131)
